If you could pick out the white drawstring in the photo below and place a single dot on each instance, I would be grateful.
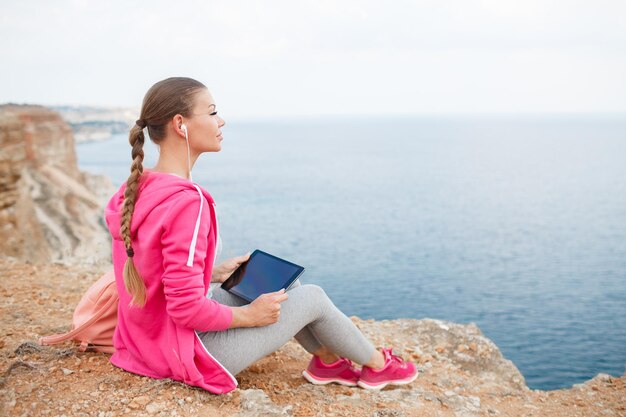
(192, 247)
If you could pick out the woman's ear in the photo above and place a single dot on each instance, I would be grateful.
(179, 126)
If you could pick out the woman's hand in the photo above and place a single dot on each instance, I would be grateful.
(226, 268)
(265, 309)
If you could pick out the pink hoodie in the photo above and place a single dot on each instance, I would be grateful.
(174, 232)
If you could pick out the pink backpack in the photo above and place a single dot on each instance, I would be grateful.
(94, 319)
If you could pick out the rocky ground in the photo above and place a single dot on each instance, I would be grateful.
(462, 372)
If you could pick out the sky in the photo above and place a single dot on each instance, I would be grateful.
(281, 59)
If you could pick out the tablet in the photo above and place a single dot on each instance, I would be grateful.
(262, 273)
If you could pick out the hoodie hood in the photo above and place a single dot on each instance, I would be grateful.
(154, 189)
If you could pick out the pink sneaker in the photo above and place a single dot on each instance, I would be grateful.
(341, 372)
(395, 372)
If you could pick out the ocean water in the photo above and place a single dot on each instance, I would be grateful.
(516, 224)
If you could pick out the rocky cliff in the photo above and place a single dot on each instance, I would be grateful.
(49, 210)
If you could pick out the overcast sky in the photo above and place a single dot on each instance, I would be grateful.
(286, 58)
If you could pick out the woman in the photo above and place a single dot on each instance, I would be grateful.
(165, 242)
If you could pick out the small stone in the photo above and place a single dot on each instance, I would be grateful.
(139, 402)
(429, 396)
(67, 371)
(603, 377)
(154, 408)
(475, 401)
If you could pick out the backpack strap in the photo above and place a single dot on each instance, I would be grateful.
(98, 348)
(58, 338)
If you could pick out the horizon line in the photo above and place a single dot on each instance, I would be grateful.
(377, 115)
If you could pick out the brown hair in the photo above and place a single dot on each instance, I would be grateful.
(161, 103)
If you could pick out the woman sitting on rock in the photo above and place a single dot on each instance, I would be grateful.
(165, 243)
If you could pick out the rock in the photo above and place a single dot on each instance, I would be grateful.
(255, 402)
(27, 349)
(440, 339)
(49, 211)
(388, 413)
(603, 378)
(139, 402)
(475, 401)
(154, 408)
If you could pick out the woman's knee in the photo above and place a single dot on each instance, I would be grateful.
(314, 291)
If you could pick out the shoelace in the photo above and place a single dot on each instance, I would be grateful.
(390, 356)
(351, 365)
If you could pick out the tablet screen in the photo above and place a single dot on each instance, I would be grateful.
(261, 274)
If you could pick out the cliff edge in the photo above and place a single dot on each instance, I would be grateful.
(463, 373)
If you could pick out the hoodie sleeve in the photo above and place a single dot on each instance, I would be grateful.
(185, 293)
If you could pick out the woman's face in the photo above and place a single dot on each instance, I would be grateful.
(204, 125)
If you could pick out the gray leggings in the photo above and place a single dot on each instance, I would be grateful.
(308, 314)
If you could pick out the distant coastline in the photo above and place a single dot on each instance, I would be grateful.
(95, 124)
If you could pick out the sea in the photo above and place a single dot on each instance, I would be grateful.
(515, 223)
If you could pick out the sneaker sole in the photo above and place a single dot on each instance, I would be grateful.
(324, 381)
(382, 385)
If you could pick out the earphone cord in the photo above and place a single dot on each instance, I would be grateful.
(188, 156)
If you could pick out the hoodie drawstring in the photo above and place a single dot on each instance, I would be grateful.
(192, 247)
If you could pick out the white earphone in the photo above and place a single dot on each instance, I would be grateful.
(183, 127)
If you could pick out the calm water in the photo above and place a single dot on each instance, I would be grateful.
(518, 225)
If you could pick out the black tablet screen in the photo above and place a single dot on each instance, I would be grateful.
(261, 274)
